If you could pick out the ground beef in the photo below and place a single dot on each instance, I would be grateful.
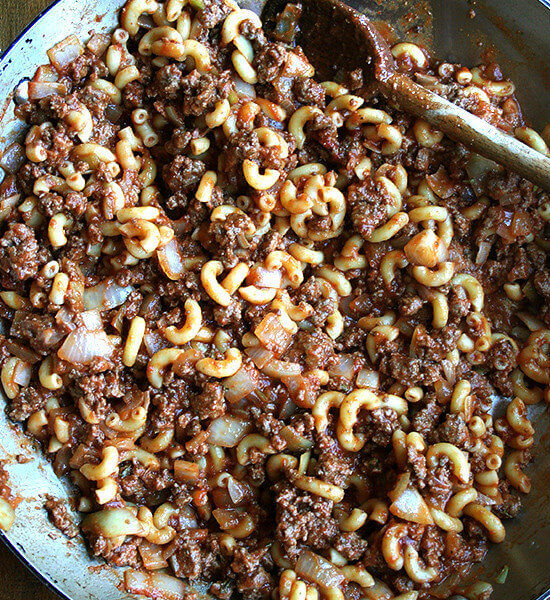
(125, 555)
(303, 518)
(39, 331)
(455, 431)
(20, 255)
(28, 400)
(210, 403)
(202, 90)
(369, 202)
(59, 516)
(269, 62)
(183, 174)
(350, 545)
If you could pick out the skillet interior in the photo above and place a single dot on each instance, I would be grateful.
(521, 32)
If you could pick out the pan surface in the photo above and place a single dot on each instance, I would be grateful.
(519, 35)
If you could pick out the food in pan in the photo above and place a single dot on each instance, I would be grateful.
(260, 320)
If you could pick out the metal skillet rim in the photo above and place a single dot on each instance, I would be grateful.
(5, 56)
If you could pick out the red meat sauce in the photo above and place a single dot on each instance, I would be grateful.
(502, 243)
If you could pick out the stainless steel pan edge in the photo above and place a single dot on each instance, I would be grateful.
(521, 33)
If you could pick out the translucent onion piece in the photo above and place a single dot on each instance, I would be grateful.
(227, 431)
(260, 356)
(44, 89)
(171, 260)
(22, 373)
(316, 569)
(410, 506)
(81, 346)
(264, 278)
(241, 384)
(12, 158)
(156, 585)
(112, 522)
(91, 319)
(63, 53)
(106, 295)
(243, 88)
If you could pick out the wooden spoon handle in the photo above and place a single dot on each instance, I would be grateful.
(464, 127)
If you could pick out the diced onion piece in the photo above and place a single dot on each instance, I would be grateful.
(186, 471)
(98, 44)
(272, 333)
(156, 585)
(92, 319)
(238, 492)
(345, 367)
(227, 431)
(294, 441)
(22, 373)
(483, 252)
(112, 522)
(155, 341)
(44, 89)
(226, 517)
(316, 569)
(243, 88)
(187, 517)
(244, 382)
(478, 167)
(260, 356)
(106, 295)
(151, 555)
(170, 260)
(281, 368)
(440, 183)
(303, 389)
(264, 278)
(63, 53)
(81, 346)
(46, 73)
(367, 378)
(12, 158)
(410, 506)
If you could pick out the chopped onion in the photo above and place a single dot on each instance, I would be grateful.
(316, 569)
(483, 252)
(22, 373)
(7, 205)
(303, 389)
(238, 491)
(227, 517)
(367, 378)
(112, 523)
(156, 585)
(243, 88)
(410, 506)
(264, 278)
(12, 158)
(241, 384)
(294, 441)
(478, 167)
(91, 319)
(44, 89)
(22, 352)
(440, 183)
(345, 367)
(63, 53)
(106, 295)
(171, 260)
(151, 555)
(227, 431)
(272, 333)
(260, 356)
(99, 42)
(378, 591)
(82, 346)
(155, 341)
(45, 73)
(187, 517)
(281, 368)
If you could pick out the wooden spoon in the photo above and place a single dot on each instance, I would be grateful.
(337, 38)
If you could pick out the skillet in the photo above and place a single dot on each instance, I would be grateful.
(521, 33)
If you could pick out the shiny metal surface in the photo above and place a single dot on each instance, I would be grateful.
(520, 33)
